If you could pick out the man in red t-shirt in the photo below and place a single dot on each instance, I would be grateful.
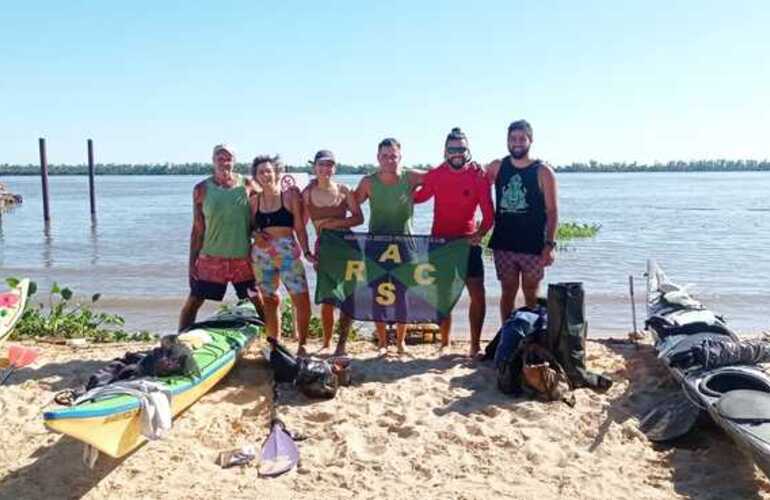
(459, 187)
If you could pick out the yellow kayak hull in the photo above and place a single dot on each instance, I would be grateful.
(119, 434)
(112, 424)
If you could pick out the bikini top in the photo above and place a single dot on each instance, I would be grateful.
(279, 218)
(332, 212)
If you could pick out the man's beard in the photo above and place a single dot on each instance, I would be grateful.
(457, 163)
(518, 153)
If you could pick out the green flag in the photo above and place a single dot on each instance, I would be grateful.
(391, 278)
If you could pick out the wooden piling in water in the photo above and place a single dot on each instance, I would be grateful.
(633, 301)
(91, 191)
(44, 180)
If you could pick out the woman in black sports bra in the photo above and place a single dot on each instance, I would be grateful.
(280, 239)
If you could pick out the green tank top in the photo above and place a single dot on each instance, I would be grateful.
(391, 206)
(227, 215)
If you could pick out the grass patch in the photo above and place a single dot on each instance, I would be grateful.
(316, 328)
(67, 319)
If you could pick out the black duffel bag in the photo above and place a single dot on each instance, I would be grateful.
(316, 379)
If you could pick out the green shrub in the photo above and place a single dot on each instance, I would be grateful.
(316, 328)
(64, 318)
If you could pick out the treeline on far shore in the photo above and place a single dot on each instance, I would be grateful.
(205, 168)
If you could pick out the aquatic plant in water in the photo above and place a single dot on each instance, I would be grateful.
(565, 232)
(572, 230)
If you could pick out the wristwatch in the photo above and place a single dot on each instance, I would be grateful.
(550, 243)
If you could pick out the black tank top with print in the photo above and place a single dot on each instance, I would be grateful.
(519, 209)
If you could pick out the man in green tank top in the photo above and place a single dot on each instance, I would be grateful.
(389, 191)
(221, 238)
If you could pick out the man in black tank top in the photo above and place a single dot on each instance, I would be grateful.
(526, 218)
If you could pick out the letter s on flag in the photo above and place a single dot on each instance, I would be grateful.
(386, 294)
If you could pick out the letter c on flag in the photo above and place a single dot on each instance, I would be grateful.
(421, 275)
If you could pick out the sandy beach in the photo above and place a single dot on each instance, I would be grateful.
(421, 426)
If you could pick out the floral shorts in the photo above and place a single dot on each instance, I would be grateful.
(276, 260)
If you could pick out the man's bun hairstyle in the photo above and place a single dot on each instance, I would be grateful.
(456, 135)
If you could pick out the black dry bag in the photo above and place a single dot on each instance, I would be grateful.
(567, 329)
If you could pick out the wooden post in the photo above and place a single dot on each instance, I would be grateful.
(633, 302)
(91, 192)
(44, 179)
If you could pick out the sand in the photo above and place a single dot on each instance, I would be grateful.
(425, 426)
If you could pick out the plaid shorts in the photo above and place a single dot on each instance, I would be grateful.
(510, 264)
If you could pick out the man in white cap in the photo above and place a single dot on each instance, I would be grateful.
(221, 237)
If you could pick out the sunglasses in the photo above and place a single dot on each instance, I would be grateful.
(456, 150)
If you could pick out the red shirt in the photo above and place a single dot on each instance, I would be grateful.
(457, 195)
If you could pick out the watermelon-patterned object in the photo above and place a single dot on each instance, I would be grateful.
(12, 305)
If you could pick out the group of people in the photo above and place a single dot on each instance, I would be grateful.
(252, 233)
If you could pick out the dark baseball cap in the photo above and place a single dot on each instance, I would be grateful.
(324, 155)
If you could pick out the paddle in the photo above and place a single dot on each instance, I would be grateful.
(279, 452)
(670, 418)
(19, 357)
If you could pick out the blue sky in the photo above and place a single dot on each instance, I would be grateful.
(164, 81)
